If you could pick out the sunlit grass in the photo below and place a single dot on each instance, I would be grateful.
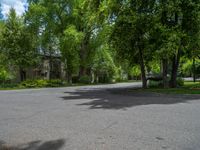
(188, 88)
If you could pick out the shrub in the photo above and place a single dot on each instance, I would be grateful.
(8, 85)
(105, 79)
(42, 83)
(159, 84)
(154, 84)
(5, 76)
(29, 84)
(55, 83)
(180, 82)
(85, 80)
(75, 79)
(135, 72)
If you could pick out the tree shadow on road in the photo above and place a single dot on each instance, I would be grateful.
(124, 98)
(35, 145)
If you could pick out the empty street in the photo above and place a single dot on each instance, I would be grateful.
(102, 117)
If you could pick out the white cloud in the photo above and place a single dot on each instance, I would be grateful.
(18, 5)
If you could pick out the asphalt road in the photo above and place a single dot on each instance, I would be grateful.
(103, 117)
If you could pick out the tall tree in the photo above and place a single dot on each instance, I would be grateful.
(48, 20)
(191, 23)
(17, 43)
(179, 22)
(88, 19)
(70, 50)
(131, 33)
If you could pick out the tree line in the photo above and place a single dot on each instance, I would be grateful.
(107, 37)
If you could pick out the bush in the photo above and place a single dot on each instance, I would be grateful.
(85, 80)
(29, 84)
(75, 79)
(159, 84)
(55, 83)
(8, 85)
(135, 72)
(180, 82)
(42, 83)
(155, 84)
(5, 76)
(105, 79)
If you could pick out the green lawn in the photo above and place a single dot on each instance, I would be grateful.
(188, 88)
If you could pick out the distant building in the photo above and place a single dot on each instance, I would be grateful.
(50, 67)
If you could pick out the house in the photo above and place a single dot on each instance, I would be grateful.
(50, 67)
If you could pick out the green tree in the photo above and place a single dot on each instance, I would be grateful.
(88, 17)
(131, 33)
(69, 46)
(179, 31)
(48, 20)
(52, 18)
(135, 72)
(103, 65)
(17, 43)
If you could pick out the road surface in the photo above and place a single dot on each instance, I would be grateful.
(103, 117)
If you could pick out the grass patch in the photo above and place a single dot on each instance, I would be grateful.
(187, 88)
(9, 86)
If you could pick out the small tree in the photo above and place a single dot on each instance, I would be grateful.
(69, 45)
(103, 64)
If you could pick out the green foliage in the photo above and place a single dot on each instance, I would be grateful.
(70, 48)
(159, 84)
(186, 68)
(103, 38)
(188, 88)
(17, 42)
(5, 75)
(103, 64)
(155, 84)
(85, 79)
(135, 71)
(197, 68)
(56, 83)
(8, 86)
(33, 84)
(121, 74)
(42, 83)
(180, 82)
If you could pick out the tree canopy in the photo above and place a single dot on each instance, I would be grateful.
(105, 38)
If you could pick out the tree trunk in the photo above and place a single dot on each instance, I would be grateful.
(82, 68)
(96, 76)
(143, 70)
(164, 72)
(22, 74)
(175, 65)
(69, 77)
(194, 70)
(50, 67)
(83, 55)
(176, 59)
(82, 71)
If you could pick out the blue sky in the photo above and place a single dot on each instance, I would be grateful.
(18, 5)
